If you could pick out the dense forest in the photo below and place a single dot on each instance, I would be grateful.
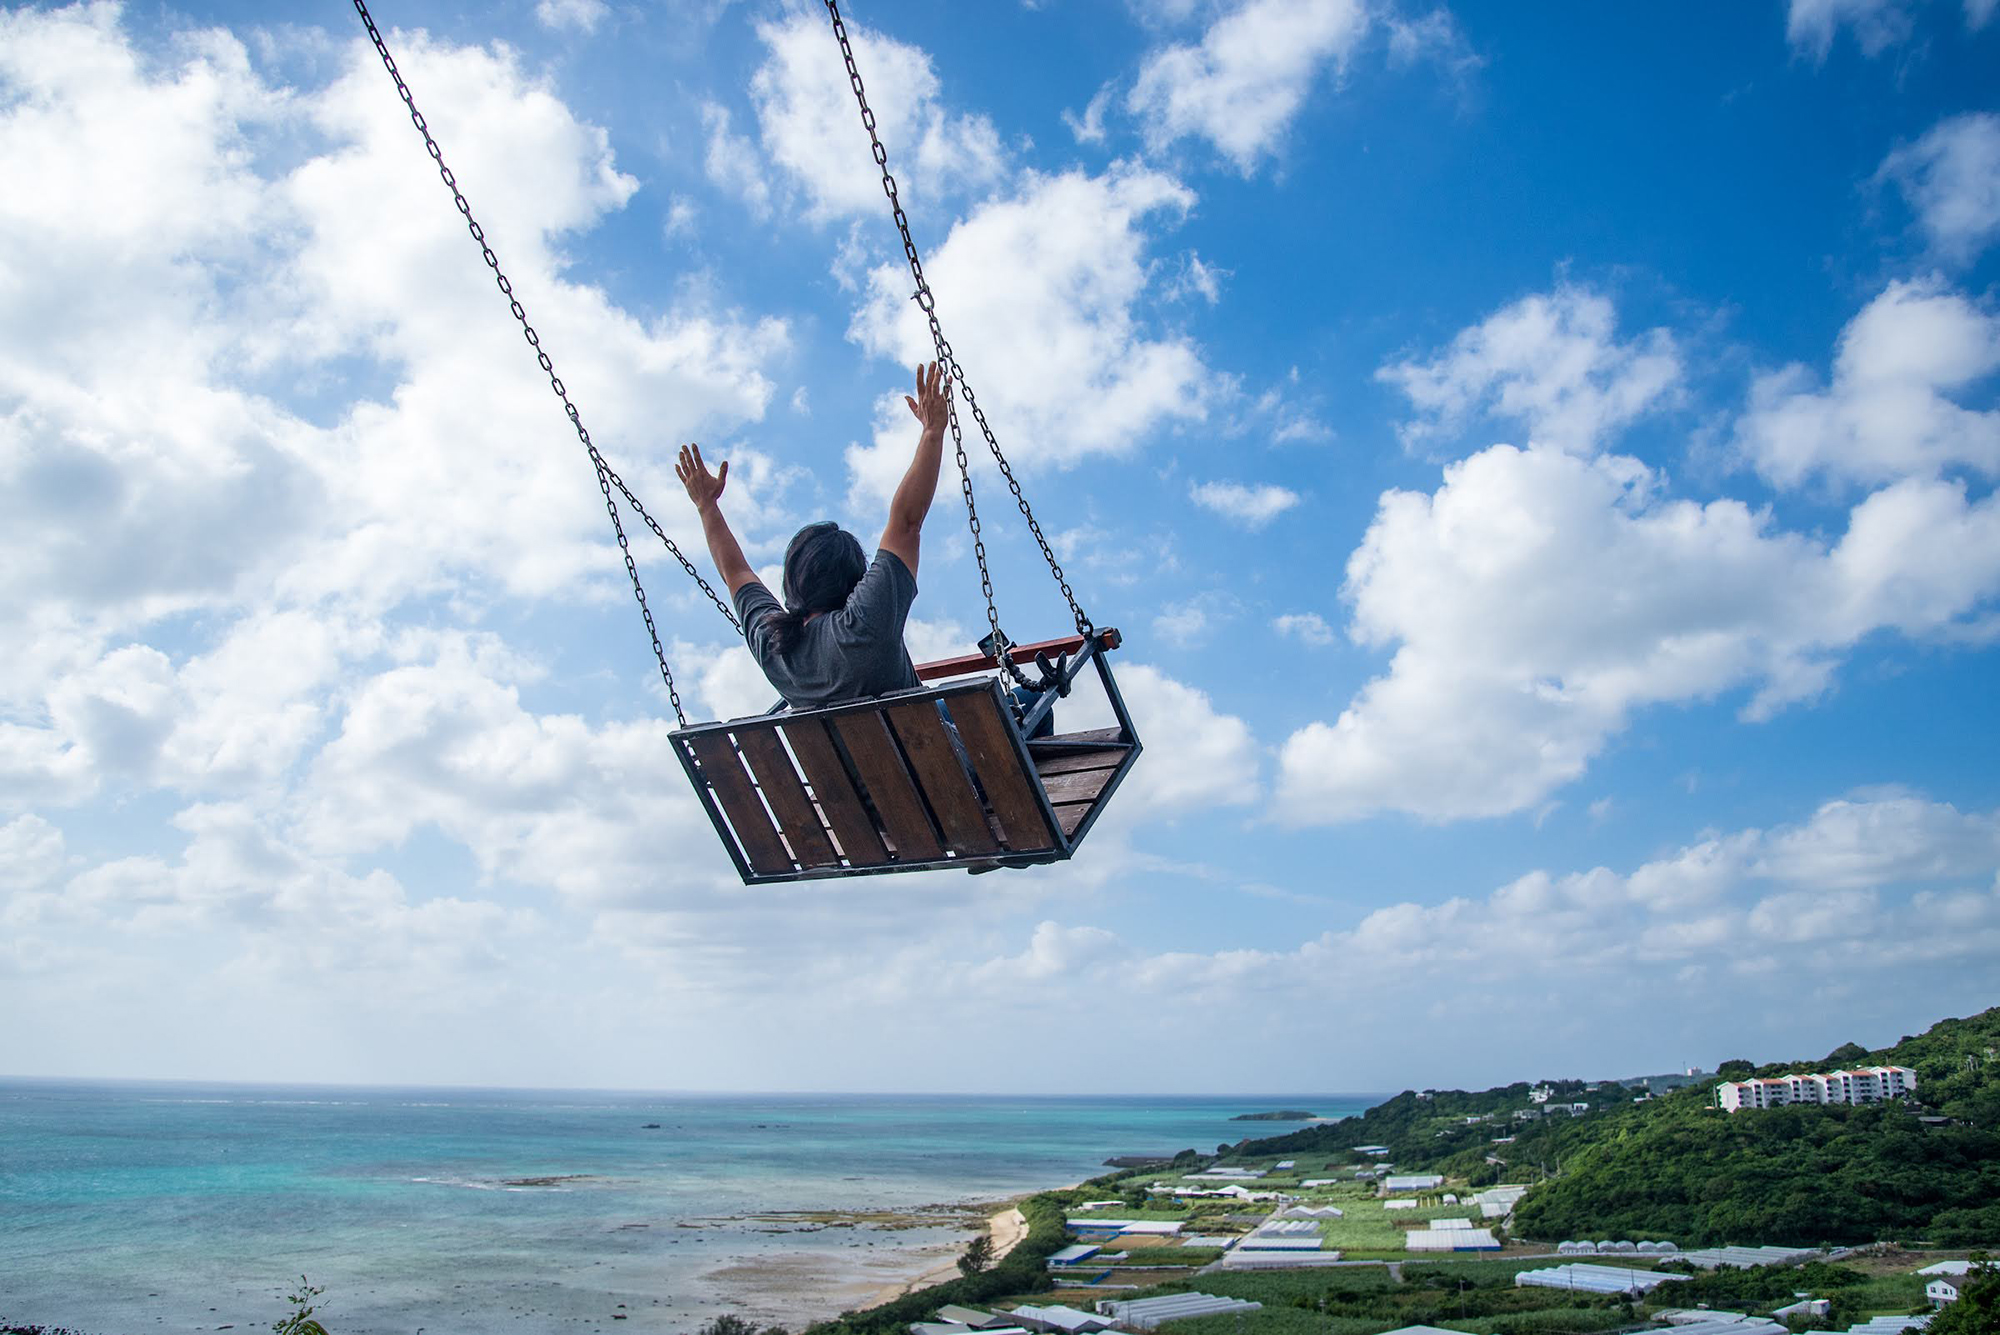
(1678, 1168)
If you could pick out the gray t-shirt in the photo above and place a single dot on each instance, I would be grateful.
(849, 654)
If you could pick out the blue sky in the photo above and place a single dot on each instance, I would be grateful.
(1542, 463)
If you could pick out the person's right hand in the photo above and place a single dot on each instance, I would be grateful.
(932, 406)
(703, 487)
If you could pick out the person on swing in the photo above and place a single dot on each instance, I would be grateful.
(838, 635)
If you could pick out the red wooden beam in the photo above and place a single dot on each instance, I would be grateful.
(1020, 653)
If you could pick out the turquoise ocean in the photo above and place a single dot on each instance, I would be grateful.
(136, 1207)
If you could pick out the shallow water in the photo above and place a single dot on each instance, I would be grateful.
(136, 1207)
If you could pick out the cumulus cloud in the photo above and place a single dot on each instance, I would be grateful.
(811, 128)
(1551, 362)
(166, 275)
(1252, 507)
(1043, 295)
(1888, 412)
(1537, 599)
(444, 742)
(1743, 896)
(1240, 86)
(1951, 178)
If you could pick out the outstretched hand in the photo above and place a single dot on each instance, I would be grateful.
(932, 406)
(703, 487)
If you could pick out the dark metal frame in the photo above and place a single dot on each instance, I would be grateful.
(1065, 845)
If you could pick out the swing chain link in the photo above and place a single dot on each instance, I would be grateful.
(607, 477)
(956, 374)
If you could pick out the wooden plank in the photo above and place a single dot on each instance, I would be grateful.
(869, 744)
(1020, 653)
(1069, 815)
(859, 840)
(1077, 786)
(797, 820)
(723, 773)
(938, 769)
(1069, 741)
(989, 743)
(1102, 757)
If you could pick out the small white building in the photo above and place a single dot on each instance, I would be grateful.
(1944, 1289)
(1412, 1181)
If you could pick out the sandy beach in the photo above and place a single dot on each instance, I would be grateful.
(869, 1269)
(1006, 1228)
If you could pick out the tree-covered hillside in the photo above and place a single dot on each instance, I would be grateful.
(1679, 1168)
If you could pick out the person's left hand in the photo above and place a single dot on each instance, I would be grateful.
(703, 487)
(932, 406)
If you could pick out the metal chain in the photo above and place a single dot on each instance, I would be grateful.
(924, 299)
(607, 477)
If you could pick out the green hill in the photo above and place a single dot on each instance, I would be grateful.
(1676, 1167)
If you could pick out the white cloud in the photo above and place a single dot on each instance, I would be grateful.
(1811, 25)
(31, 852)
(1886, 414)
(159, 283)
(732, 161)
(581, 15)
(1242, 84)
(541, 799)
(1041, 294)
(1537, 599)
(1196, 756)
(1551, 362)
(1089, 128)
(811, 128)
(1433, 36)
(1951, 178)
(1309, 627)
(1252, 507)
(1859, 843)
(1182, 624)
(1196, 279)
(1880, 930)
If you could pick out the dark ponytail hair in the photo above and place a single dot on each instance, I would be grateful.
(823, 563)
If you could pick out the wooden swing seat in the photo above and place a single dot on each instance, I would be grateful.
(881, 786)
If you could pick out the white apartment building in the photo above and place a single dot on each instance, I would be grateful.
(1867, 1084)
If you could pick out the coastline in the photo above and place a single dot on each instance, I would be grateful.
(798, 1289)
(1006, 1227)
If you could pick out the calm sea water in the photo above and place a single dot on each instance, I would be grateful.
(137, 1207)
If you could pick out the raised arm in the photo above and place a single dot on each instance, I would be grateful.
(705, 490)
(932, 409)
